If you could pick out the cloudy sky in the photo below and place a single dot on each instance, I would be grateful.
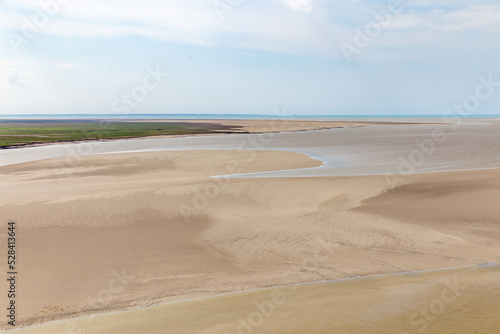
(316, 57)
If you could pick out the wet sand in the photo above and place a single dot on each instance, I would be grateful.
(463, 300)
(115, 232)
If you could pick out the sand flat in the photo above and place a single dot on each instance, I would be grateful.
(283, 124)
(461, 300)
(115, 232)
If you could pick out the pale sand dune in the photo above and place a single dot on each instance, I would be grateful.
(112, 232)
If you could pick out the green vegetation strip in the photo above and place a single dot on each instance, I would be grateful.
(15, 133)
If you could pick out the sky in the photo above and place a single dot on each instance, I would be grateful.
(308, 57)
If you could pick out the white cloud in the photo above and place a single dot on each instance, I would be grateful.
(13, 73)
(264, 25)
(299, 5)
(260, 24)
(475, 17)
(68, 65)
(14, 80)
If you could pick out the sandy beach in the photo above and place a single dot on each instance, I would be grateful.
(133, 230)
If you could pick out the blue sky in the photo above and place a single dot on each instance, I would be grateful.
(316, 57)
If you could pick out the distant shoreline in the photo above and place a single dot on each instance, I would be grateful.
(177, 117)
(210, 127)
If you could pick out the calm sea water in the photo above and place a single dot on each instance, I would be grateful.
(278, 114)
(473, 144)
